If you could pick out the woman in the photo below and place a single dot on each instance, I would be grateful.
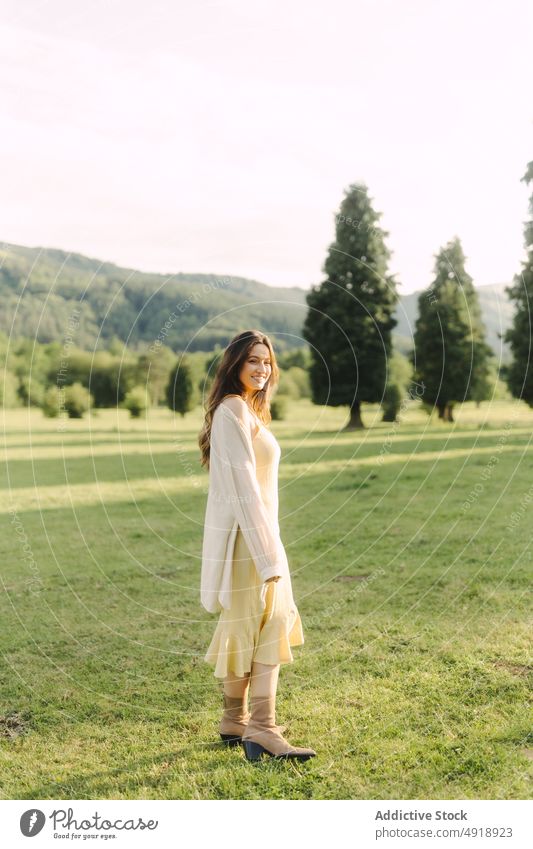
(245, 573)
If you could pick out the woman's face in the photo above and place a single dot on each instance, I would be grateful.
(256, 368)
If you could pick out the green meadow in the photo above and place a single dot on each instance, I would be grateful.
(411, 560)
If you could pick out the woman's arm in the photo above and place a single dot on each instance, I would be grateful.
(232, 450)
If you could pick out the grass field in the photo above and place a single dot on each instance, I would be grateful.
(411, 560)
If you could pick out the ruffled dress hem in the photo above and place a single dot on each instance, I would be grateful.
(231, 652)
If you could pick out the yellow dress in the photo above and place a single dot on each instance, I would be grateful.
(262, 622)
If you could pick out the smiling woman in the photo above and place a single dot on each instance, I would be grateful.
(243, 558)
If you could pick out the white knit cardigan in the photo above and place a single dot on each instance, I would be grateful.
(234, 500)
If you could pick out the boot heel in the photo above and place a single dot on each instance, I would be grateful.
(253, 750)
(231, 739)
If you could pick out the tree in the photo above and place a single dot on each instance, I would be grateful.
(107, 376)
(210, 368)
(450, 357)
(287, 386)
(180, 389)
(520, 371)
(137, 401)
(77, 400)
(397, 385)
(52, 402)
(8, 389)
(29, 362)
(350, 317)
(300, 377)
(298, 357)
(392, 402)
(153, 370)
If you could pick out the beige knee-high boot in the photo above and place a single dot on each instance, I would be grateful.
(263, 736)
(235, 717)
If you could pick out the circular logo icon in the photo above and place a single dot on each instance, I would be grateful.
(31, 822)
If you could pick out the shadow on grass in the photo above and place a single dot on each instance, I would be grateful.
(164, 771)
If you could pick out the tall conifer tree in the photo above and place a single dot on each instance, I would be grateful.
(519, 336)
(450, 354)
(350, 317)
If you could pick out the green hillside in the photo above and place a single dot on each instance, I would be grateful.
(41, 289)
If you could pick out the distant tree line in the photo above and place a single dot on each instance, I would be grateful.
(70, 380)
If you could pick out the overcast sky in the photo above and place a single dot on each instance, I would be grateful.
(219, 136)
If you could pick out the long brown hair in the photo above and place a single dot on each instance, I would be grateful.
(227, 382)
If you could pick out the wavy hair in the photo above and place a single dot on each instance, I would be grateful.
(227, 382)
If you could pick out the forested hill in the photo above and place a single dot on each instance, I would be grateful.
(42, 290)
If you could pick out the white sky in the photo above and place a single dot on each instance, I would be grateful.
(219, 136)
